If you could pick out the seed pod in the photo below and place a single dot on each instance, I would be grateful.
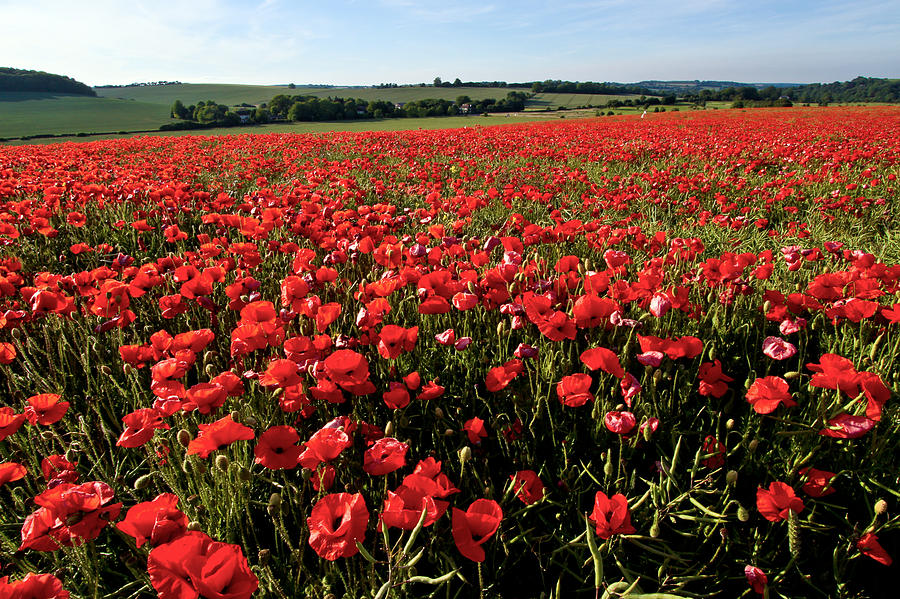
(251, 421)
(264, 556)
(183, 437)
(654, 528)
(608, 466)
(439, 413)
(449, 432)
(729, 424)
(753, 445)
(235, 415)
(275, 499)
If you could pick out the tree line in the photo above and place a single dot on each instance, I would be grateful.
(22, 80)
(861, 89)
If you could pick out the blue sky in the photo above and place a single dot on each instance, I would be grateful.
(361, 42)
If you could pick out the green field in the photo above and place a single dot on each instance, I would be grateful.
(40, 114)
(142, 108)
(450, 122)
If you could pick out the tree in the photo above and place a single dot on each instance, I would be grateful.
(457, 82)
(437, 82)
(463, 100)
(179, 111)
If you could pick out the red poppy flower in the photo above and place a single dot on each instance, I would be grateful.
(58, 468)
(868, 545)
(528, 485)
(394, 340)
(397, 397)
(428, 478)
(140, 426)
(280, 373)
(336, 523)
(33, 586)
(326, 444)
(10, 422)
(7, 353)
(347, 368)
(712, 381)
(69, 515)
(277, 448)
(716, 452)
(756, 578)
(431, 390)
(834, 372)
(592, 311)
(684, 347)
(500, 376)
(574, 390)
(767, 393)
(326, 315)
(464, 301)
(777, 502)
(611, 515)
(602, 359)
(385, 455)
(11, 471)
(473, 527)
(475, 430)
(818, 482)
(847, 426)
(193, 565)
(219, 434)
(323, 477)
(403, 508)
(158, 521)
(45, 408)
(620, 423)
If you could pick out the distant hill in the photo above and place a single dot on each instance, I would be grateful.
(21, 80)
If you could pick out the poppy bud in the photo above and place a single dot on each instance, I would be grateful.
(71, 456)
(389, 429)
(306, 473)
(465, 454)
(439, 413)
(273, 510)
(449, 432)
(791, 375)
(753, 445)
(127, 369)
(95, 347)
(16, 334)
(647, 432)
(106, 370)
(236, 416)
(881, 507)
(244, 475)
(194, 526)
(183, 437)
(222, 463)
(501, 327)
(250, 421)
(654, 528)
(729, 424)
(731, 477)
(743, 514)
(47, 435)
(608, 466)
(143, 482)
(275, 499)
(794, 534)
(210, 370)
(263, 556)
(767, 305)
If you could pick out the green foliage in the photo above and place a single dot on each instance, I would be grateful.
(20, 80)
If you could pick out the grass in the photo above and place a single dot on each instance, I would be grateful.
(569, 100)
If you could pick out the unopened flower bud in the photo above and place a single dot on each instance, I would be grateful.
(243, 474)
(465, 454)
(16, 334)
(183, 438)
(106, 370)
(194, 526)
(731, 477)
(71, 456)
(449, 432)
(881, 507)
(263, 556)
(143, 482)
(439, 413)
(389, 429)
(127, 369)
(729, 424)
(236, 416)
(743, 514)
(222, 463)
(753, 445)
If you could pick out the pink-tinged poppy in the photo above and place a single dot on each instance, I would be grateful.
(818, 482)
(501, 376)
(651, 358)
(157, 522)
(621, 423)
(475, 430)
(140, 426)
(448, 337)
(847, 426)
(574, 390)
(756, 578)
(600, 358)
(713, 383)
(277, 448)
(219, 434)
(33, 586)
(45, 408)
(766, 394)
(630, 388)
(611, 516)
(868, 545)
(11, 472)
(193, 565)
(660, 304)
(336, 523)
(10, 422)
(528, 486)
(683, 347)
(473, 527)
(777, 502)
(385, 456)
(778, 349)
(326, 444)
(524, 351)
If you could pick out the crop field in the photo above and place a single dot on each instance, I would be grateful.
(618, 357)
(571, 100)
(39, 114)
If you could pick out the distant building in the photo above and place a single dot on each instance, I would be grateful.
(465, 108)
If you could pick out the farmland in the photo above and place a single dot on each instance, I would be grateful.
(547, 359)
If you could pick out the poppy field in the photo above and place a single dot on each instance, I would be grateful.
(614, 357)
